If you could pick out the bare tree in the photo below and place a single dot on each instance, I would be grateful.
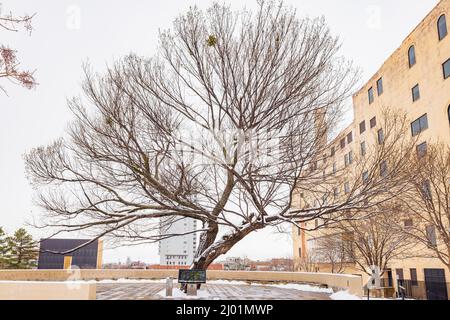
(426, 203)
(307, 263)
(332, 250)
(375, 240)
(223, 126)
(9, 63)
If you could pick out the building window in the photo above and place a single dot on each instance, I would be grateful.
(333, 151)
(399, 273)
(380, 135)
(348, 158)
(408, 223)
(412, 56)
(370, 93)
(446, 68)
(299, 231)
(300, 252)
(350, 138)
(362, 127)
(448, 111)
(336, 192)
(442, 27)
(380, 86)
(426, 190)
(363, 148)
(343, 143)
(365, 176)
(415, 93)
(431, 236)
(347, 187)
(334, 168)
(413, 274)
(419, 125)
(373, 122)
(383, 168)
(422, 150)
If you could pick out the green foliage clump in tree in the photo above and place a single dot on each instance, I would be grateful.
(3, 249)
(18, 251)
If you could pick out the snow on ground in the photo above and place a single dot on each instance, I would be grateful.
(294, 286)
(177, 293)
(344, 295)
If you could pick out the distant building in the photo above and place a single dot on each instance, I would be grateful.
(178, 250)
(236, 263)
(87, 257)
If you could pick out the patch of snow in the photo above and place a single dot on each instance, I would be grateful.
(295, 286)
(303, 287)
(344, 295)
(231, 282)
(177, 293)
(111, 281)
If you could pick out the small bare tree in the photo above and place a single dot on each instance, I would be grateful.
(332, 250)
(9, 64)
(224, 125)
(375, 239)
(426, 204)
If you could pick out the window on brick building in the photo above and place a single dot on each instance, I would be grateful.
(415, 93)
(362, 127)
(412, 56)
(380, 86)
(442, 27)
(370, 93)
(419, 125)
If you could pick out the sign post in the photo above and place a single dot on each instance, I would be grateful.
(191, 279)
(169, 287)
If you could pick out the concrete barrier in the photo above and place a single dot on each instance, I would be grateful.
(352, 283)
(31, 290)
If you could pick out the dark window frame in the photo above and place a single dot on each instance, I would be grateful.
(380, 136)
(431, 235)
(350, 137)
(363, 148)
(371, 95)
(380, 88)
(365, 176)
(422, 122)
(362, 127)
(421, 149)
(445, 71)
(373, 122)
(415, 91)
(413, 276)
(442, 27)
(412, 56)
(383, 168)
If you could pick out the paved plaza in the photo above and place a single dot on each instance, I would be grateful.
(149, 291)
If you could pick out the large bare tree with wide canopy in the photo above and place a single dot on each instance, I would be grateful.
(221, 126)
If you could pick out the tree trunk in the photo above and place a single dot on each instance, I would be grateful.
(206, 254)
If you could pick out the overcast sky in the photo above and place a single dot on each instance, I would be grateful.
(67, 33)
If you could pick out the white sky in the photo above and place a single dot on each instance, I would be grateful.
(67, 33)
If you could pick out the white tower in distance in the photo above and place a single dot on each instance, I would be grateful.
(178, 250)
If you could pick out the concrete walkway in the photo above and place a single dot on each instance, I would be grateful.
(149, 291)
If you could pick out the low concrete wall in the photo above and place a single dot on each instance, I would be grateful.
(345, 282)
(28, 290)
